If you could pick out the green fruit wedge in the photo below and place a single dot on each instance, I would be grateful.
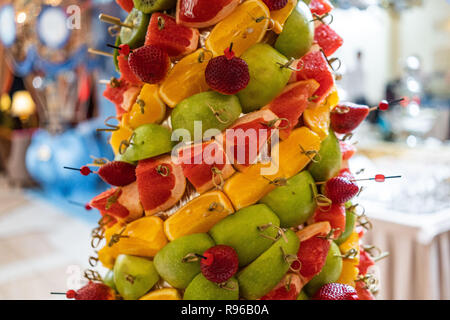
(328, 161)
(330, 271)
(150, 6)
(302, 296)
(172, 263)
(149, 140)
(202, 289)
(212, 109)
(134, 37)
(108, 279)
(267, 76)
(297, 36)
(350, 220)
(246, 231)
(293, 203)
(263, 274)
(116, 53)
(134, 276)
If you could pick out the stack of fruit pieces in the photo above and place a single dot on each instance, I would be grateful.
(226, 227)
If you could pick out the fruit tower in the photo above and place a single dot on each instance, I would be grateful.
(230, 177)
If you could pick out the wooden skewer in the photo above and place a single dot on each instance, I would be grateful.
(101, 53)
(104, 81)
(113, 20)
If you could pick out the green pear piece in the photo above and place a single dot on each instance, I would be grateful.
(293, 203)
(328, 161)
(297, 36)
(213, 109)
(202, 289)
(149, 140)
(134, 276)
(176, 262)
(263, 274)
(350, 220)
(108, 279)
(268, 77)
(248, 231)
(330, 271)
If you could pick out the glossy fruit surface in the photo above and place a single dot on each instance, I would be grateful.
(203, 13)
(336, 291)
(335, 215)
(219, 264)
(328, 162)
(134, 37)
(201, 288)
(346, 117)
(149, 63)
(148, 108)
(327, 39)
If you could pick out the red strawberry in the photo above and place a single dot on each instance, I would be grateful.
(340, 189)
(315, 66)
(327, 39)
(149, 63)
(365, 262)
(275, 4)
(287, 289)
(221, 263)
(126, 5)
(312, 255)
(118, 173)
(176, 40)
(227, 74)
(92, 291)
(336, 291)
(126, 72)
(363, 292)
(335, 215)
(346, 117)
(320, 7)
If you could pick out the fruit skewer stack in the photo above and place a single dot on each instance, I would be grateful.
(206, 218)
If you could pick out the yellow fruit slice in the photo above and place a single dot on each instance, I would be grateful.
(352, 243)
(148, 108)
(122, 134)
(247, 188)
(317, 118)
(186, 78)
(350, 270)
(143, 237)
(297, 150)
(107, 255)
(349, 273)
(279, 17)
(246, 26)
(162, 294)
(199, 215)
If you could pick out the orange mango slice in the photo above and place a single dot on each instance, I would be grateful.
(143, 237)
(123, 133)
(199, 215)
(186, 78)
(279, 17)
(148, 108)
(107, 255)
(162, 294)
(246, 26)
(350, 265)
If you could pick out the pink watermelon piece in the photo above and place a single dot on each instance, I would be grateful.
(126, 72)
(115, 94)
(327, 39)
(320, 7)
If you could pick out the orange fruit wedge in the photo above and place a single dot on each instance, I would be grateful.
(246, 26)
(148, 108)
(199, 215)
(279, 17)
(317, 118)
(186, 78)
(123, 133)
(162, 294)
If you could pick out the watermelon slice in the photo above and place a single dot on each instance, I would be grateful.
(327, 38)
(287, 289)
(161, 184)
(291, 103)
(365, 262)
(126, 5)
(198, 161)
(125, 71)
(114, 93)
(335, 216)
(320, 7)
(315, 66)
(248, 135)
(175, 39)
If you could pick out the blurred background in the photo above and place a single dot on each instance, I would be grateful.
(51, 105)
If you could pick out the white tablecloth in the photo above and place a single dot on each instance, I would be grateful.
(419, 263)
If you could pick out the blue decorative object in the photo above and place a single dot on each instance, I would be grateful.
(51, 27)
(8, 25)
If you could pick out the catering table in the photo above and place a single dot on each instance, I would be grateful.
(410, 217)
